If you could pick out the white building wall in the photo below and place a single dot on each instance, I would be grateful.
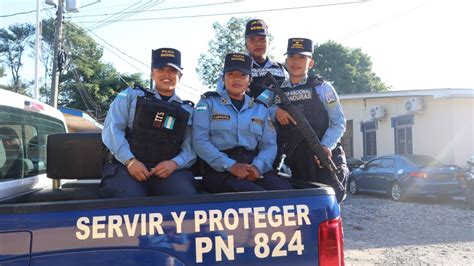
(445, 129)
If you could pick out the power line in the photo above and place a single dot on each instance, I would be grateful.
(23, 13)
(121, 16)
(239, 13)
(159, 9)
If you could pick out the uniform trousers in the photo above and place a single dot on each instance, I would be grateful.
(218, 182)
(118, 183)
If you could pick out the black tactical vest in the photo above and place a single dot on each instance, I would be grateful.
(158, 129)
(308, 102)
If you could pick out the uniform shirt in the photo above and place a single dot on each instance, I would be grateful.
(330, 99)
(121, 115)
(218, 126)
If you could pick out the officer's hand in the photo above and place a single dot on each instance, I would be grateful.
(283, 117)
(138, 170)
(240, 170)
(164, 169)
(253, 173)
(328, 153)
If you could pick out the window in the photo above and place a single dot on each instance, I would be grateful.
(377, 163)
(369, 130)
(403, 127)
(347, 140)
(23, 137)
(388, 163)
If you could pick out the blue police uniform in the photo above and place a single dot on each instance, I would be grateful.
(142, 125)
(223, 136)
(320, 105)
(116, 180)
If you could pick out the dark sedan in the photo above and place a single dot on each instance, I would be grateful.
(400, 176)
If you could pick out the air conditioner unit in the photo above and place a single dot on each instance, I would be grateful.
(414, 104)
(378, 112)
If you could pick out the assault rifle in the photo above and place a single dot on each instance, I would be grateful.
(304, 128)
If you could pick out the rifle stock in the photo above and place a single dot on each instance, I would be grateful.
(304, 128)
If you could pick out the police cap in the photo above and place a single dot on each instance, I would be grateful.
(240, 62)
(166, 57)
(300, 46)
(256, 27)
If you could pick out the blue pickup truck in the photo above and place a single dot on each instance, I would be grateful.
(51, 214)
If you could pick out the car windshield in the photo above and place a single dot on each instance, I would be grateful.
(422, 160)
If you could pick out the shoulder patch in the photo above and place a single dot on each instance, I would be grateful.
(188, 102)
(201, 107)
(210, 94)
(331, 99)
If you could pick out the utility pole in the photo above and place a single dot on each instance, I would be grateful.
(37, 50)
(58, 33)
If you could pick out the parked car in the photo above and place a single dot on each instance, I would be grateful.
(353, 163)
(469, 176)
(400, 176)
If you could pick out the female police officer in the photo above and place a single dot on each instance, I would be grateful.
(321, 107)
(234, 136)
(149, 135)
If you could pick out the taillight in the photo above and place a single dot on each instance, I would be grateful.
(331, 243)
(419, 174)
(460, 176)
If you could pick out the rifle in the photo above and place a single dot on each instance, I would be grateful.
(304, 128)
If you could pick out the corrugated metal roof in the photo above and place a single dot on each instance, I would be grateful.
(435, 93)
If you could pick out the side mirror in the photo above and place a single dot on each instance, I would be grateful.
(362, 167)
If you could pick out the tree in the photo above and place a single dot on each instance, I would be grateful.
(228, 38)
(86, 83)
(350, 70)
(13, 43)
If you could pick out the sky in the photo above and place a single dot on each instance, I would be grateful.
(413, 44)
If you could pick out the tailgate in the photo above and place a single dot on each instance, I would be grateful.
(277, 227)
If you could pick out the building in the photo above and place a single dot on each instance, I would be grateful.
(436, 122)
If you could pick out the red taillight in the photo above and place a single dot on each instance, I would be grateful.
(33, 106)
(460, 176)
(331, 243)
(419, 174)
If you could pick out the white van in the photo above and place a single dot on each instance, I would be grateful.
(25, 124)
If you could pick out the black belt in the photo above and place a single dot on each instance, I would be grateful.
(239, 150)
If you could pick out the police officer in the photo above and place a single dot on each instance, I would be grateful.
(234, 135)
(321, 107)
(257, 43)
(149, 136)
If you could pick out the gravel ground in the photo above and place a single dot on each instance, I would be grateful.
(380, 231)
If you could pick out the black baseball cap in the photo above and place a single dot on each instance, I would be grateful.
(256, 27)
(300, 46)
(240, 62)
(166, 57)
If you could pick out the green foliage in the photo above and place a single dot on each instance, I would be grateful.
(13, 43)
(228, 38)
(350, 70)
(86, 83)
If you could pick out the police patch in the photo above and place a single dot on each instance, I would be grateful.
(257, 121)
(220, 117)
(123, 93)
(331, 99)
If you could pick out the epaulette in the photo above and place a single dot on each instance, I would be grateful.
(256, 100)
(145, 90)
(188, 103)
(210, 94)
(314, 80)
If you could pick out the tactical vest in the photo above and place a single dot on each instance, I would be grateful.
(158, 129)
(258, 73)
(308, 102)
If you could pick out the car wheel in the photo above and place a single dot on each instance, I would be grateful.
(396, 192)
(353, 187)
